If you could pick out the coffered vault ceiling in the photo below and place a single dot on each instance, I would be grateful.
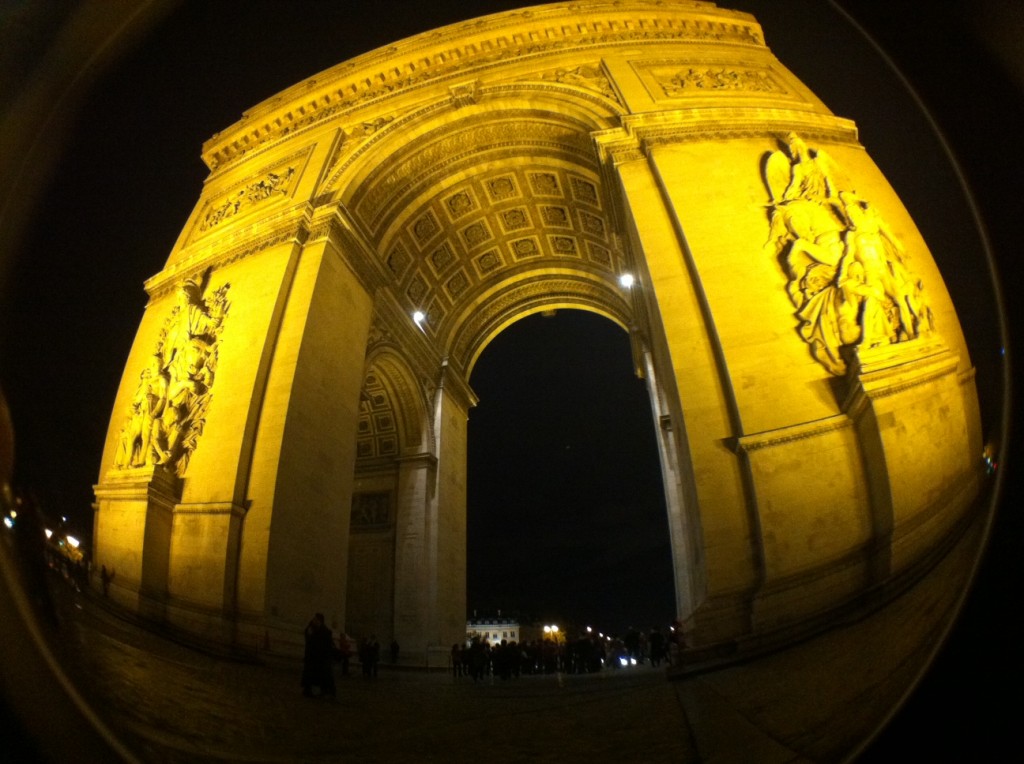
(484, 221)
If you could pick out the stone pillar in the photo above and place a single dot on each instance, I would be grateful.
(132, 535)
(684, 530)
(451, 414)
(295, 540)
(916, 433)
(430, 533)
(417, 478)
(203, 568)
(686, 349)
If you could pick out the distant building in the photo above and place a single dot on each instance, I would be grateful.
(493, 629)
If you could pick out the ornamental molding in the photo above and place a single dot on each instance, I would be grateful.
(590, 77)
(791, 434)
(211, 508)
(464, 94)
(217, 251)
(640, 133)
(430, 58)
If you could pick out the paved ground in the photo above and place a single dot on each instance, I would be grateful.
(816, 701)
(176, 704)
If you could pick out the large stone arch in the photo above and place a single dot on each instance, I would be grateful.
(812, 390)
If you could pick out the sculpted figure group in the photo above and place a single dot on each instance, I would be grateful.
(847, 270)
(167, 412)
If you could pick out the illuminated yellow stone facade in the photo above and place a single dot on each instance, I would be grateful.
(286, 438)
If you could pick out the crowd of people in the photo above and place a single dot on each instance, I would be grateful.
(478, 659)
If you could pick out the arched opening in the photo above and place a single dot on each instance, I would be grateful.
(584, 537)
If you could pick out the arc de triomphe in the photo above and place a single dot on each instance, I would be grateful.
(290, 430)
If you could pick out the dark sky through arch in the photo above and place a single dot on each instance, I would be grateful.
(566, 508)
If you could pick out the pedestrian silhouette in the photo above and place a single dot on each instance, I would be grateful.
(316, 660)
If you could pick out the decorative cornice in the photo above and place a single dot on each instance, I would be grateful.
(879, 373)
(217, 251)
(642, 132)
(210, 508)
(792, 433)
(466, 48)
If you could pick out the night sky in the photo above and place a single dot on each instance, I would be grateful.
(566, 511)
(129, 173)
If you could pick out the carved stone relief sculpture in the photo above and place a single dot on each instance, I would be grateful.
(848, 277)
(371, 511)
(590, 77)
(694, 80)
(253, 193)
(168, 411)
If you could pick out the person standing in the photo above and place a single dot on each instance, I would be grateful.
(344, 652)
(317, 658)
(373, 653)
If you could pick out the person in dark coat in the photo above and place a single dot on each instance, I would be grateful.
(316, 661)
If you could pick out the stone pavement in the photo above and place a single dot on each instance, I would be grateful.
(174, 704)
(815, 701)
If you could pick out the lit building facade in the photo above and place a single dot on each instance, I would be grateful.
(494, 629)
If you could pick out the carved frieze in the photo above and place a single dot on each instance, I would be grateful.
(368, 128)
(687, 79)
(167, 414)
(587, 76)
(697, 79)
(849, 274)
(276, 182)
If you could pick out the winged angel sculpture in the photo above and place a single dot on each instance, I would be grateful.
(168, 411)
(847, 270)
